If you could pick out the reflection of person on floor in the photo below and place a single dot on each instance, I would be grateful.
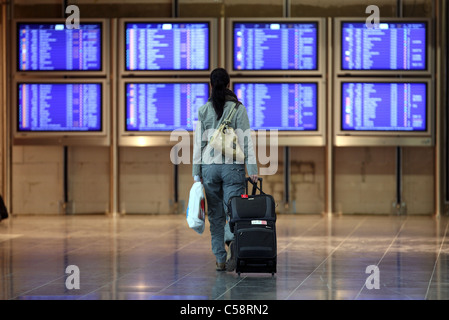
(221, 180)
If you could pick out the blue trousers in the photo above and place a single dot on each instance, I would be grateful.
(221, 182)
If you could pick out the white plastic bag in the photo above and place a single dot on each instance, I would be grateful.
(196, 208)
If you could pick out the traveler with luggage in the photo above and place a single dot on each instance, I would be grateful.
(222, 177)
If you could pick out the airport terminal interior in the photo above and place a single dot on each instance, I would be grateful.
(348, 106)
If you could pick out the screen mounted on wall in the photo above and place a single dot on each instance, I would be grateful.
(282, 45)
(390, 46)
(163, 106)
(59, 107)
(384, 106)
(167, 46)
(50, 46)
(289, 106)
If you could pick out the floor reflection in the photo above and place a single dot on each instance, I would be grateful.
(159, 258)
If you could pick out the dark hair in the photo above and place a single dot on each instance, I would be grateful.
(219, 80)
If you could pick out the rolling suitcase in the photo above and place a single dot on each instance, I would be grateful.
(253, 221)
(3, 210)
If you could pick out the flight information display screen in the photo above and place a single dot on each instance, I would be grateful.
(67, 107)
(391, 46)
(164, 106)
(53, 47)
(384, 106)
(275, 46)
(281, 106)
(167, 46)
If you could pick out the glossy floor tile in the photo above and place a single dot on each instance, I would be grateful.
(159, 258)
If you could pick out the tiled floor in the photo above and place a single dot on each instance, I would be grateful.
(158, 257)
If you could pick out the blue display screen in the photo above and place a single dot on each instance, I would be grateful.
(164, 106)
(53, 47)
(281, 106)
(384, 106)
(59, 106)
(275, 46)
(167, 46)
(391, 46)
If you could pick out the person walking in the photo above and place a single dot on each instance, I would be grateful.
(221, 178)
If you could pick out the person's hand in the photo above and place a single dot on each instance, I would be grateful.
(253, 178)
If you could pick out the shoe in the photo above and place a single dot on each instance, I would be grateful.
(220, 266)
(230, 261)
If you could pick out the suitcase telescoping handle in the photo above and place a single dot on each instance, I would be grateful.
(254, 186)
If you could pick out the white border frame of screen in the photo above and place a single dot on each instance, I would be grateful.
(213, 46)
(298, 137)
(338, 47)
(321, 47)
(105, 48)
(99, 138)
(345, 138)
(146, 138)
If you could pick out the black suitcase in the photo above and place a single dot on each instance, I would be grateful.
(253, 221)
(3, 210)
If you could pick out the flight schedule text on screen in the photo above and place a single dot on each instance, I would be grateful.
(59, 107)
(281, 106)
(164, 106)
(53, 47)
(167, 46)
(384, 106)
(275, 46)
(391, 46)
